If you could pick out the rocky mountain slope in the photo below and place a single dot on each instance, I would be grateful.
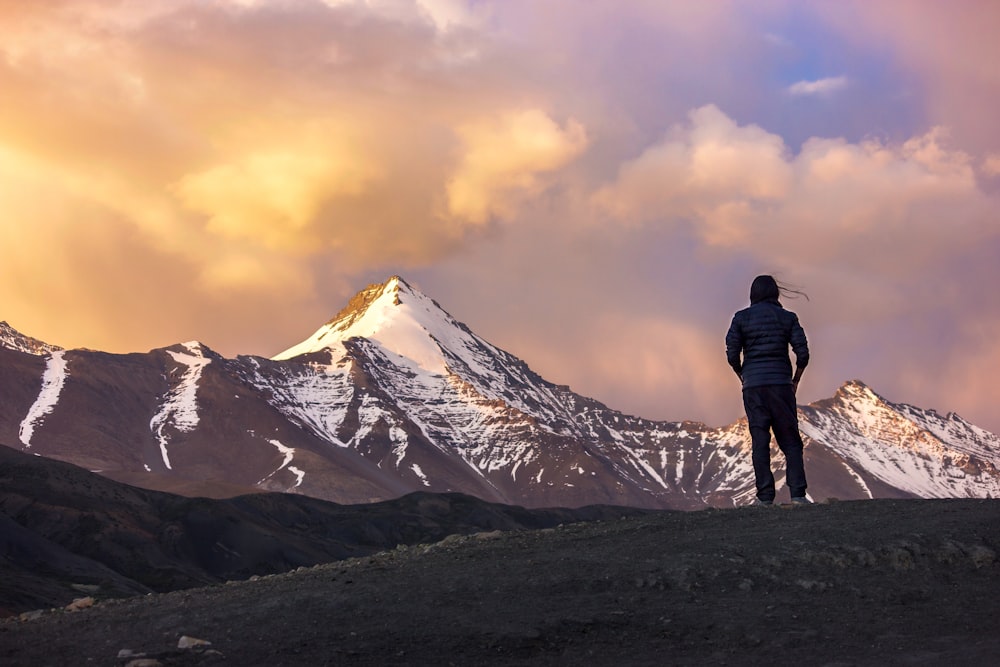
(393, 395)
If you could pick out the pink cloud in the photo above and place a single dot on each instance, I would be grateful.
(740, 186)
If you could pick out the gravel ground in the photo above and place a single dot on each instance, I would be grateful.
(905, 582)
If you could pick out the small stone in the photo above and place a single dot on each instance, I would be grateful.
(491, 535)
(31, 615)
(192, 642)
(982, 556)
(80, 604)
(129, 653)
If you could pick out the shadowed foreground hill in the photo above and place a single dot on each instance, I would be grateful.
(879, 582)
(65, 532)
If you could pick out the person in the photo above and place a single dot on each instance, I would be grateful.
(757, 349)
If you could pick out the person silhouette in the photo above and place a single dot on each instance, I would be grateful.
(757, 349)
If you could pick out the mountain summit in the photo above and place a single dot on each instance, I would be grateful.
(394, 395)
(400, 319)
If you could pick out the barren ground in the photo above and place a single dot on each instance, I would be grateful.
(906, 582)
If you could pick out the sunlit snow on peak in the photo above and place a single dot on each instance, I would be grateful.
(401, 320)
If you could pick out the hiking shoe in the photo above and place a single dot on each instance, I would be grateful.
(757, 502)
(801, 500)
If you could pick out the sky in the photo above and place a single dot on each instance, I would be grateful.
(591, 186)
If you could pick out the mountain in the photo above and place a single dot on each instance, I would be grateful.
(393, 395)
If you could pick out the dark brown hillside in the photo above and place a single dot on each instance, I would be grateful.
(66, 530)
(902, 582)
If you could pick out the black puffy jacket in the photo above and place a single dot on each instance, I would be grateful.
(762, 333)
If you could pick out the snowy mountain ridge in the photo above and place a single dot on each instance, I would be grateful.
(12, 339)
(394, 395)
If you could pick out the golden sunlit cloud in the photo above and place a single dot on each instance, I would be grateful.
(232, 164)
(274, 195)
(504, 159)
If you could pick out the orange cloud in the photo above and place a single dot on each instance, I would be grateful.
(503, 159)
(236, 135)
(273, 190)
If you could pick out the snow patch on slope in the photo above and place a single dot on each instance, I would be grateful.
(52, 383)
(180, 407)
(289, 454)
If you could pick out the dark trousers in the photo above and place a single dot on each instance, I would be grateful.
(773, 408)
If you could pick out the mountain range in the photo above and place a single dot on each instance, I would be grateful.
(393, 396)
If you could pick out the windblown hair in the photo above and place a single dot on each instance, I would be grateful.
(766, 288)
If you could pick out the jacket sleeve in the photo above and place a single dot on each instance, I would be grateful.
(734, 346)
(799, 344)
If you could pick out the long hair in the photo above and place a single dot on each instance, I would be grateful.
(766, 288)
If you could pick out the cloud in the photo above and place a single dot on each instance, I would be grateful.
(503, 159)
(818, 88)
(991, 165)
(657, 356)
(273, 191)
(740, 187)
(710, 170)
(249, 134)
(444, 15)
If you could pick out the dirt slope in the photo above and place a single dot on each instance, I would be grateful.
(853, 583)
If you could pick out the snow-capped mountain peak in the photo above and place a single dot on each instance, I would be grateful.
(399, 318)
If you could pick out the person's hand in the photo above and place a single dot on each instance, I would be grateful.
(795, 379)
